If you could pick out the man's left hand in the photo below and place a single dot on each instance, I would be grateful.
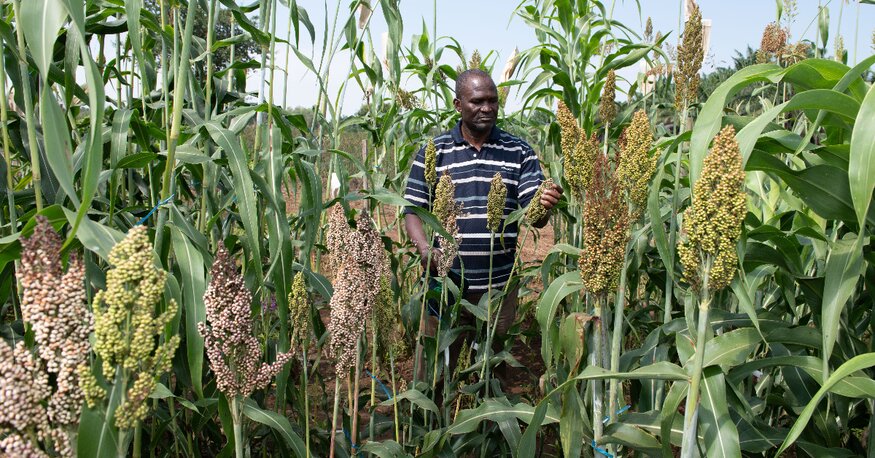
(550, 196)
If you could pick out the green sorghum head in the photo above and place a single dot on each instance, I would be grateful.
(444, 198)
(430, 163)
(636, 166)
(126, 331)
(299, 309)
(536, 210)
(690, 55)
(713, 223)
(569, 135)
(476, 61)
(495, 203)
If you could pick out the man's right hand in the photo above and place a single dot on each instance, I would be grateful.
(430, 262)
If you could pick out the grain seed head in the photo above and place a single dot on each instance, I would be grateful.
(636, 165)
(299, 309)
(495, 203)
(536, 210)
(607, 108)
(690, 55)
(713, 223)
(430, 163)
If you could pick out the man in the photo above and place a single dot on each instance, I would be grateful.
(471, 153)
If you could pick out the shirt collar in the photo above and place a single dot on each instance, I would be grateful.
(456, 132)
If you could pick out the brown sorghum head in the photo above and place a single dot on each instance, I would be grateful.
(607, 108)
(495, 203)
(713, 223)
(24, 387)
(54, 304)
(605, 230)
(234, 353)
(636, 165)
(690, 55)
(357, 284)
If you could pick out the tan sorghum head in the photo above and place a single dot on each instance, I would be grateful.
(234, 353)
(774, 39)
(648, 30)
(636, 165)
(713, 223)
(24, 387)
(476, 61)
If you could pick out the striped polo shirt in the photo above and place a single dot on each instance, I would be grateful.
(472, 173)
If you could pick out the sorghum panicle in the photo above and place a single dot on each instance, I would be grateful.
(389, 331)
(363, 263)
(126, 334)
(536, 210)
(648, 30)
(636, 165)
(299, 311)
(569, 134)
(607, 108)
(605, 230)
(689, 57)
(476, 61)
(337, 236)
(495, 203)
(840, 49)
(54, 304)
(430, 163)
(447, 210)
(713, 223)
(24, 387)
(233, 351)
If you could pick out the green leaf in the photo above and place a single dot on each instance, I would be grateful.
(95, 236)
(731, 348)
(559, 288)
(528, 442)
(861, 169)
(630, 436)
(193, 280)
(710, 117)
(278, 423)
(97, 435)
(843, 268)
(495, 409)
(662, 370)
(414, 396)
(387, 449)
(855, 364)
(245, 192)
(136, 161)
(720, 436)
(40, 20)
(58, 148)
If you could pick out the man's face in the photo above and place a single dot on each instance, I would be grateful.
(478, 104)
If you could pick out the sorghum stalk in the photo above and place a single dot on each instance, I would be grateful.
(598, 385)
(27, 95)
(495, 203)
(4, 118)
(334, 417)
(691, 412)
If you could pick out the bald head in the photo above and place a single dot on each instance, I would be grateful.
(464, 80)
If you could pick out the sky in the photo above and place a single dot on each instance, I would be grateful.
(493, 26)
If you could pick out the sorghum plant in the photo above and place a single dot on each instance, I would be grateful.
(636, 165)
(713, 225)
(690, 55)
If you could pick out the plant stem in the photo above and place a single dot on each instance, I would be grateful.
(673, 225)
(306, 399)
(484, 371)
(394, 395)
(437, 333)
(616, 342)
(334, 417)
(691, 412)
(138, 441)
(598, 386)
(355, 396)
(237, 420)
(27, 95)
(10, 184)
